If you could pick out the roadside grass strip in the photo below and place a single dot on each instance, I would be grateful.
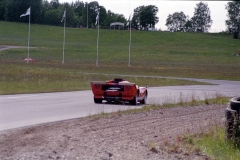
(213, 144)
(24, 79)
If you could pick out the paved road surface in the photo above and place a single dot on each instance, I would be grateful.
(5, 47)
(29, 109)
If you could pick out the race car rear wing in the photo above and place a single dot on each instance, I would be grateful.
(105, 83)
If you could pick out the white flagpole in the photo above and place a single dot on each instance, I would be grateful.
(87, 15)
(29, 34)
(64, 35)
(129, 42)
(98, 36)
(28, 13)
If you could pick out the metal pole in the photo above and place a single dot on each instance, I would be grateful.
(129, 43)
(29, 34)
(64, 35)
(98, 35)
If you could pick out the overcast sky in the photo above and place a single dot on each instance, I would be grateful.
(126, 7)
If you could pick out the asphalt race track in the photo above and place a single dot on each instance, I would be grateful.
(29, 109)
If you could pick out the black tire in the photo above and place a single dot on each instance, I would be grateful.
(235, 104)
(109, 101)
(134, 101)
(97, 100)
(231, 123)
(144, 100)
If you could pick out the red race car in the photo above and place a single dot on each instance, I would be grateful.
(118, 90)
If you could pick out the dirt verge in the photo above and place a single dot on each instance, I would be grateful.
(137, 136)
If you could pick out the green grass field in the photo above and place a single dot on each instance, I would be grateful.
(152, 53)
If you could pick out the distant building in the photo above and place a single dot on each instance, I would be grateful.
(152, 29)
(117, 24)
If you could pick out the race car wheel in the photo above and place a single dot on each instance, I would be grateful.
(97, 100)
(134, 101)
(144, 100)
(235, 103)
(108, 101)
(231, 123)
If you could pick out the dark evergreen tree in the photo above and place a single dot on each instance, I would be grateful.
(50, 13)
(3, 10)
(79, 8)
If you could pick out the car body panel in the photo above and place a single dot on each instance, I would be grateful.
(118, 90)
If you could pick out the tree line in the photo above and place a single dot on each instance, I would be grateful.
(50, 13)
(201, 20)
(80, 14)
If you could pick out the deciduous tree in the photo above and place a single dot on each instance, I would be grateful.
(145, 17)
(176, 21)
(201, 20)
(148, 16)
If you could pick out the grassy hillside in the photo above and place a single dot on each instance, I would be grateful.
(154, 53)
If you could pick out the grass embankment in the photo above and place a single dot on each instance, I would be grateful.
(152, 53)
(212, 144)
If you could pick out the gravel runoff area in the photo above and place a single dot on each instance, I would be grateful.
(122, 137)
